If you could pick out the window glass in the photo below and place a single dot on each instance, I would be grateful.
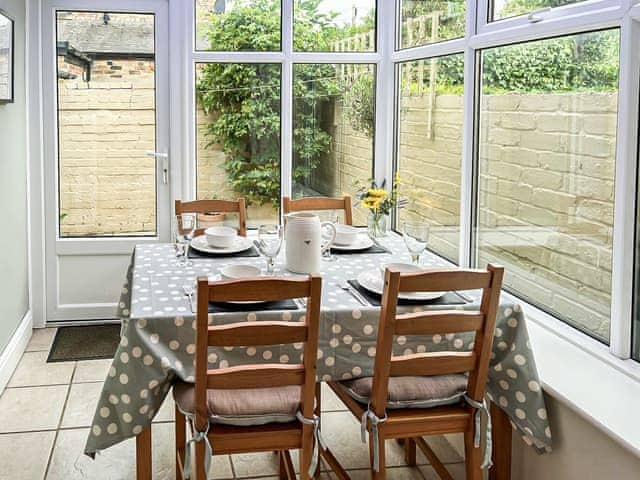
(501, 9)
(106, 101)
(238, 136)
(424, 21)
(334, 25)
(547, 142)
(430, 148)
(238, 25)
(333, 130)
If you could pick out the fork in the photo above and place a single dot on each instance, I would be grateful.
(354, 293)
(188, 292)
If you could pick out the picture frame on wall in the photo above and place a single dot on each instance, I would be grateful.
(7, 37)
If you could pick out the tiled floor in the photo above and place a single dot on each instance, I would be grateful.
(47, 408)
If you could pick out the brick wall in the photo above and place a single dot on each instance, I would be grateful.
(107, 183)
(546, 191)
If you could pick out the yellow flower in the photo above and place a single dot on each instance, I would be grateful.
(377, 193)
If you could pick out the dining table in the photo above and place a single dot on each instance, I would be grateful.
(157, 343)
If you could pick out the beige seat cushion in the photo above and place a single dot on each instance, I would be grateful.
(412, 392)
(243, 407)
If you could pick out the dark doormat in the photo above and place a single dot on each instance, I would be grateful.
(84, 343)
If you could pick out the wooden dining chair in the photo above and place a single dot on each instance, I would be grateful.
(320, 203)
(419, 394)
(215, 206)
(251, 408)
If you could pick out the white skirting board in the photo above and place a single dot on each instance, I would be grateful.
(15, 348)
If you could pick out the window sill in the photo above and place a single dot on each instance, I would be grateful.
(581, 372)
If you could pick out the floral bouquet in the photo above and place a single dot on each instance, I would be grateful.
(380, 203)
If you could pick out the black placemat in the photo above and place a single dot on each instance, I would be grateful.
(222, 307)
(251, 252)
(449, 298)
(371, 249)
(90, 342)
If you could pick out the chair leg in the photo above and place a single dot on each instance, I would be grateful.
(200, 461)
(181, 441)
(472, 458)
(287, 472)
(382, 470)
(410, 452)
(306, 451)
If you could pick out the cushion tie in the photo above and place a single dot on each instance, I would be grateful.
(480, 409)
(317, 439)
(197, 437)
(375, 421)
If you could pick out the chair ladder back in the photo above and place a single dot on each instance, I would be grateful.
(384, 343)
(319, 203)
(218, 206)
(484, 338)
(482, 322)
(256, 333)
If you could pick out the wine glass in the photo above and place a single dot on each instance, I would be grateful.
(269, 243)
(185, 227)
(415, 235)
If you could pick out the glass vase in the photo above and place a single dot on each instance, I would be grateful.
(377, 225)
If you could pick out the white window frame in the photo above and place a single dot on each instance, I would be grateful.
(585, 16)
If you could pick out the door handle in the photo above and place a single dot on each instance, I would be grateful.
(164, 157)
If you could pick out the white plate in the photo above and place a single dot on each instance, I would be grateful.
(239, 245)
(362, 243)
(373, 281)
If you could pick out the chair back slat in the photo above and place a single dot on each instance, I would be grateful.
(431, 323)
(304, 330)
(263, 333)
(482, 322)
(319, 203)
(421, 364)
(216, 206)
(259, 289)
(259, 376)
(444, 280)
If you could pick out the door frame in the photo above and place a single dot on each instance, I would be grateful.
(167, 140)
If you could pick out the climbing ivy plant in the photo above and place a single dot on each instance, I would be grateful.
(244, 99)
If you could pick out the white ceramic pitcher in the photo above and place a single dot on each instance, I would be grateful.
(303, 241)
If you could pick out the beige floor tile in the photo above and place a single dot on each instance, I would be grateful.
(29, 455)
(33, 370)
(341, 433)
(68, 461)
(442, 448)
(393, 473)
(81, 405)
(167, 410)
(455, 469)
(330, 402)
(92, 370)
(41, 339)
(255, 464)
(31, 408)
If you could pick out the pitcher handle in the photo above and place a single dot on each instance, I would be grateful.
(327, 244)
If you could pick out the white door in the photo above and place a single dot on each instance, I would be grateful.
(106, 144)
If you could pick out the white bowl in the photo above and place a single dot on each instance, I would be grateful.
(402, 267)
(345, 234)
(220, 237)
(236, 271)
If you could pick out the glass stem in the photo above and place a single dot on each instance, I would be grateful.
(415, 258)
(270, 265)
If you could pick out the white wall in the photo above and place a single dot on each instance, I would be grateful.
(581, 451)
(14, 289)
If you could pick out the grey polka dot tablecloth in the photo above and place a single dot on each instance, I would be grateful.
(158, 341)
